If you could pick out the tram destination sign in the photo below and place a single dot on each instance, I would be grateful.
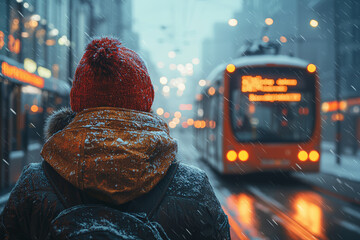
(268, 89)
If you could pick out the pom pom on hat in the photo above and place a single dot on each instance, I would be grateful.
(111, 75)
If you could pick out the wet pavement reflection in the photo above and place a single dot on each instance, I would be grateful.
(282, 211)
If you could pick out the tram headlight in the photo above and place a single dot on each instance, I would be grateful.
(231, 155)
(302, 156)
(243, 155)
(314, 156)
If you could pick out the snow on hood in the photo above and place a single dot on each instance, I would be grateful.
(113, 154)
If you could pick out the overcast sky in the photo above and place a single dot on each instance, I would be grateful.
(178, 25)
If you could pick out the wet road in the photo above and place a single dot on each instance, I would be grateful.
(275, 206)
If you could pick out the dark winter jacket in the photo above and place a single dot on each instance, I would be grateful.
(115, 157)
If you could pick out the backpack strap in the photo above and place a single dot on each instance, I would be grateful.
(50, 174)
(147, 203)
(165, 183)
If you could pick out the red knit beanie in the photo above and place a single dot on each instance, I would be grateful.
(111, 75)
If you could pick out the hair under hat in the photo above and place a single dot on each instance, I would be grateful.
(111, 75)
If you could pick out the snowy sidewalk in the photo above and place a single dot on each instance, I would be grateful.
(349, 167)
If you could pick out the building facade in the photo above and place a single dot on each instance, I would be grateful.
(41, 43)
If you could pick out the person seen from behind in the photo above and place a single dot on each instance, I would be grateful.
(109, 149)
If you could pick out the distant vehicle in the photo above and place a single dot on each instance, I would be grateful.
(260, 113)
(25, 99)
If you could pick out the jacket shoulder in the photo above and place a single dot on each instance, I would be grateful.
(188, 181)
(191, 204)
(32, 179)
(24, 203)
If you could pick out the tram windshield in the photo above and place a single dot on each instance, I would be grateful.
(272, 104)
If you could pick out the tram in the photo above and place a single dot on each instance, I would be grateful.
(25, 101)
(260, 113)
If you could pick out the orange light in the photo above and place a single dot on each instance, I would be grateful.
(14, 44)
(337, 117)
(190, 122)
(177, 114)
(304, 111)
(285, 97)
(50, 42)
(2, 39)
(311, 68)
(342, 105)
(34, 108)
(269, 21)
(251, 108)
(166, 115)
(330, 106)
(265, 39)
(185, 107)
(21, 75)
(231, 155)
(243, 155)
(308, 213)
(283, 39)
(199, 97)
(302, 156)
(211, 91)
(230, 68)
(184, 125)
(203, 124)
(197, 124)
(33, 23)
(284, 123)
(314, 156)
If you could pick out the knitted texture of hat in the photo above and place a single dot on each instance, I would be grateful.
(111, 75)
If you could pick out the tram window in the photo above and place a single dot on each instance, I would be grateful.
(273, 121)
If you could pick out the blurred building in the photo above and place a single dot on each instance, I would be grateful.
(51, 36)
(41, 43)
(341, 18)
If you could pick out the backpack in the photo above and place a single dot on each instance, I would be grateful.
(100, 221)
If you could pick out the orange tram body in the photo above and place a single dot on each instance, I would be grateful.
(260, 113)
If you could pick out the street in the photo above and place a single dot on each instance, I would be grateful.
(281, 206)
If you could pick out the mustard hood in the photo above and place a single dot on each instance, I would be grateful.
(114, 155)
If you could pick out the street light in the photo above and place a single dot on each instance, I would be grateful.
(269, 21)
(233, 22)
(283, 39)
(202, 83)
(265, 39)
(314, 23)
